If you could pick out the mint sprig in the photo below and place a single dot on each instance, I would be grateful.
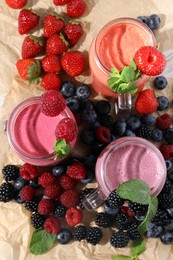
(61, 148)
(123, 81)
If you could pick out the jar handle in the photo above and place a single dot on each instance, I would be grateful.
(123, 105)
(94, 199)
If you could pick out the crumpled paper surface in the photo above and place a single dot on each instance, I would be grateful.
(15, 230)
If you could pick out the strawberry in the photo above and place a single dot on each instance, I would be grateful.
(66, 129)
(146, 102)
(52, 24)
(51, 81)
(27, 20)
(16, 4)
(77, 171)
(164, 121)
(76, 8)
(73, 31)
(73, 62)
(32, 46)
(73, 216)
(69, 198)
(56, 44)
(29, 171)
(150, 61)
(29, 69)
(60, 2)
(52, 225)
(27, 193)
(51, 63)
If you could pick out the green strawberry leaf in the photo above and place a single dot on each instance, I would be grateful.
(61, 148)
(123, 257)
(138, 246)
(41, 242)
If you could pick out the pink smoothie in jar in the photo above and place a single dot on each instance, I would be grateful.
(115, 46)
(31, 134)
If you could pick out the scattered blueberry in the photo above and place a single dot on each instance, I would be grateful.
(169, 166)
(166, 237)
(119, 127)
(160, 82)
(89, 116)
(89, 177)
(143, 19)
(64, 236)
(89, 160)
(129, 133)
(148, 119)
(59, 170)
(163, 103)
(18, 199)
(87, 104)
(157, 135)
(103, 107)
(169, 135)
(154, 230)
(109, 210)
(34, 183)
(83, 91)
(96, 124)
(133, 122)
(97, 148)
(19, 183)
(68, 89)
(87, 136)
(73, 104)
(154, 22)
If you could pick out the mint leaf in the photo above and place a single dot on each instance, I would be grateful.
(123, 257)
(61, 148)
(152, 209)
(138, 246)
(41, 242)
(127, 88)
(114, 73)
(133, 65)
(127, 74)
(135, 190)
(114, 82)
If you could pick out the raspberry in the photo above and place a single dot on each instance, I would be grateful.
(73, 216)
(103, 134)
(66, 129)
(80, 232)
(10, 172)
(77, 171)
(45, 207)
(28, 171)
(67, 183)
(166, 150)
(27, 193)
(52, 103)
(69, 198)
(53, 191)
(52, 225)
(164, 121)
(46, 179)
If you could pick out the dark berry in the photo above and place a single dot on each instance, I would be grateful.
(89, 160)
(148, 119)
(37, 220)
(143, 19)
(104, 220)
(80, 232)
(157, 135)
(168, 135)
(133, 231)
(154, 230)
(165, 200)
(89, 177)
(87, 136)
(83, 92)
(170, 176)
(161, 217)
(94, 235)
(119, 239)
(103, 107)
(64, 236)
(138, 209)
(89, 116)
(97, 148)
(163, 103)
(160, 82)
(34, 183)
(119, 127)
(18, 199)
(10, 172)
(6, 192)
(109, 210)
(114, 200)
(59, 170)
(169, 166)
(129, 133)
(73, 104)
(122, 221)
(133, 122)
(68, 89)
(87, 104)
(154, 22)
(144, 132)
(166, 237)
(60, 211)
(31, 205)
(107, 121)
(19, 183)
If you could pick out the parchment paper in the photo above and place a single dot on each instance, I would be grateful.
(15, 230)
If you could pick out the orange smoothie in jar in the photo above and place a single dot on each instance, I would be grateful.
(115, 46)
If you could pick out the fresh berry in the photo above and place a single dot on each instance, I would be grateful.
(10, 172)
(148, 119)
(28, 69)
(89, 177)
(19, 183)
(6, 192)
(59, 170)
(46, 179)
(154, 230)
(119, 127)
(29, 171)
(73, 216)
(104, 220)
(161, 217)
(103, 107)
(32, 46)
(77, 171)
(56, 44)
(69, 198)
(51, 81)
(73, 32)
(166, 237)
(52, 24)
(150, 61)
(52, 225)
(89, 160)
(154, 22)
(169, 166)
(66, 129)
(137, 209)
(45, 207)
(133, 122)
(83, 92)
(37, 220)
(27, 20)
(122, 221)
(94, 235)
(27, 193)
(73, 104)
(157, 135)
(164, 121)
(109, 210)
(133, 231)
(87, 104)
(103, 134)
(34, 183)
(73, 62)
(80, 232)
(114, 200)
(31, 205)
(68, 89)
(51, 63)
(60, 211)
(163, 103)
(144, 132)
(168, 135)
(87, 136)
(143, 19)
(166, 150)
(165, 200)
(106, 121)
(16, 4)
(128, 132)
(146, 102)
(53, 191)
(160, 82)
(119, 239)
(67, 183)
(60, 2)
(89, 116)
(52, 103)
(64, 236)
(76, 8)
(83, 195)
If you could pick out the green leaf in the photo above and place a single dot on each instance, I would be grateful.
(61, 148)
(113, 82)
(133, 65)
(41, 242)
(127, 88)
(135, 190)
(114, 73)
(138, 246)
(152, 209)
(123, 257)
(127, 74)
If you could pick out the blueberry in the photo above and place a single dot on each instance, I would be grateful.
(96, 124)
(73, 104)
(67, 89)
(34, 184)
(19, 183)
(169, 166)
(18, 199)
(87, 136)
(59, 170)
(166, 237)
(163, 103)
(89, 116)
(103, 107)
(148, 119)
(154, 230)
(157, 135)
(133, 122)
(87, 104)
(83, 91)
(119, 127)
(97, 148)
(169, 135)
(129, 133)
(143, 19)
(89, 177)
(109, 210)
(154, 22)
(170, 212)
(160, 82)
(170, 176)
(89, 160)
(64, 236)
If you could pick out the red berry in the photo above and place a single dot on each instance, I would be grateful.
(164, 121)
(52, 103)
(45, 207)
(27, 193)
(67, 183)
(28, 69)
(52, 225)
(66, 129)
(27, 20)
(61, 2)
(76, 8)
(51, 81)
(150, 60)
(51, 63)
(29, 172)
(69, 198)
(73, 216)
(73, 32)
(52, 24)
(166, 150)
(32, 46)
(53, 191)
(77, 171)
(46, 179)
(56, 44)
(16, 4)
(146, 102)
(103, 134)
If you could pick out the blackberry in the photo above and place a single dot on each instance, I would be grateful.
(107, 121)
(114, 200)
(161, 217)
(31, 205)
(165, 200)
(60, 211)
(10, 172)
(119, 239)
(37, 220)
(94, 235)
(122, 221)
(103, 220)
(80, 232)
(137, 209)
(144, 132)
(133, 231)
(6, 192)
(82, 195)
